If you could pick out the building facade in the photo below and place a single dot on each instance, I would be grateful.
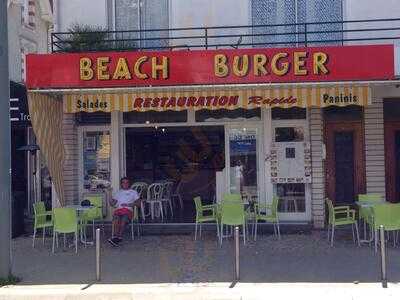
(29, 23)
(300, 153)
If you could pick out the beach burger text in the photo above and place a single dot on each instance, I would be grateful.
(297, 63)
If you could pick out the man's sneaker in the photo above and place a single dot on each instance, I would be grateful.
(117, 240)
(112, 242)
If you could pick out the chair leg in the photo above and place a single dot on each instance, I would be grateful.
(170, 206)
(376, 240)
(352, 231)
(216, 222)
(195, 231)
(329, 228)
(255, 231)
(132, 230)
(244, 233)
(332, 235)
(221, 234)
(76, 241)
(358, 235)
(279, 231)
(54, 241)
(44, 233)
(200, 225)
(57, 241)
(34, 236)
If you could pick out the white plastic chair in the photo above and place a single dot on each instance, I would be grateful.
(154, 198)
(141, 189)
(177, 194)
(167, 194)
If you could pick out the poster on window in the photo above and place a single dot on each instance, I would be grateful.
(290, 162)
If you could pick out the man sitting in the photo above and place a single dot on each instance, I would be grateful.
(124, 201)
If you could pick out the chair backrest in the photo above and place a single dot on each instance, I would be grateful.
(227, 197)
(331, 214)
(65, 220)
(167, 189)
(388, 215)
(39, 208)
(140, 188)
(197, 203)
(155, 191)
(232, 213)
(97, 211)
(369, 197)
(263, 207)
(95, 200)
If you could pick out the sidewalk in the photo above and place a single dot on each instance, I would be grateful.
(177, 267)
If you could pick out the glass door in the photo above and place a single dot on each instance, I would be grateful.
(290, 169)
(244, 161)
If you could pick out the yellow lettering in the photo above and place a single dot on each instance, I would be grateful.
(245, 65)
(102, 68)
(319, 61)
(284, 66)
(299, 63)
(259, 61)
(220, 67)
(85, 67)
(163, 67)
(122, 70)
(137, 66)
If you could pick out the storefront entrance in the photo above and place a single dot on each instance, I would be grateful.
(188, 156)
(345, 168)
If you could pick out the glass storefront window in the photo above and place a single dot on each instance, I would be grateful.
(239, 114)
(151, 117)
(292, 197)
(96, 160)
(289, 134)
(243, 161)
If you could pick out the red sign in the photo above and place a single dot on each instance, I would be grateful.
(188, 67)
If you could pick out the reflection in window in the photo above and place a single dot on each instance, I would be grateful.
(291, 197)
(289, 134)
(96, 160)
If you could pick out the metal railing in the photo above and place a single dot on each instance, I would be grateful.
(269, 35)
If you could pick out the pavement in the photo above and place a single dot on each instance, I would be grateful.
(177, 267)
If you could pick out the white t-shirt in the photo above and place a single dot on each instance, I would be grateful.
(125, 197)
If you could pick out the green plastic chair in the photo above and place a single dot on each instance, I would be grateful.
(232, 198)
(261, 214)
(65, 221)
(94, 214)
(201, 217)
(341, 216)
(388, 215)
(232, 214)
(42, 220)
(365, 214)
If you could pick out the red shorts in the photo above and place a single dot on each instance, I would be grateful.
(123, 212)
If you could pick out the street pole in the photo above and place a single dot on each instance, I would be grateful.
(5, 149)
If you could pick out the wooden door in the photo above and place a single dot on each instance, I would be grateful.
(345, 163)
(392, 161)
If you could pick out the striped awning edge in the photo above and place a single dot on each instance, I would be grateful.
(217, 98)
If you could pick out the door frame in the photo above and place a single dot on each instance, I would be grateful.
(390, 169)
(330, 126)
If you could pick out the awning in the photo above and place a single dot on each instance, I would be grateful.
(217, 98)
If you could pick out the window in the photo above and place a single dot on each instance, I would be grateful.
(206, 115)
(29, 13)
(96, 151)
(292, 197)
(95, 118)
(289, 134)
(151, 117)
(293, 113)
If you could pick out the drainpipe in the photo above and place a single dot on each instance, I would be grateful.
(5, 150)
